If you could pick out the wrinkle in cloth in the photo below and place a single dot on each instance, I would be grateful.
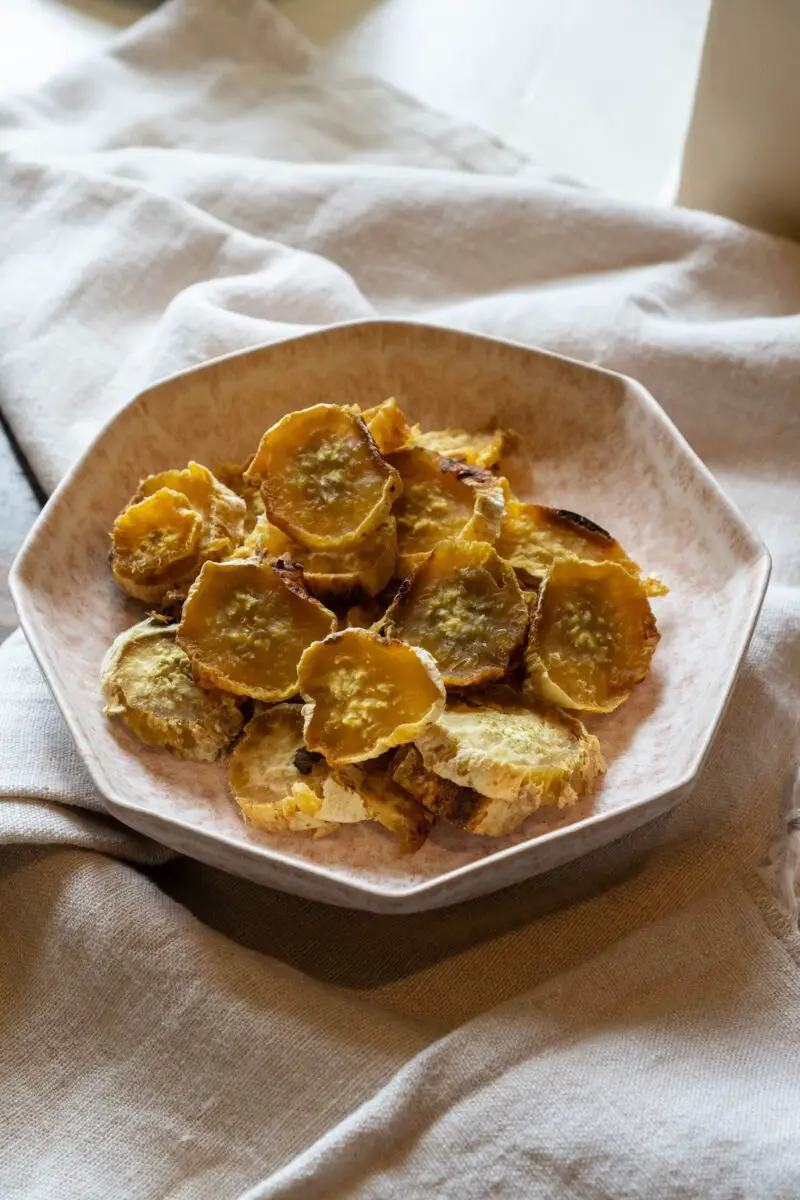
(624, 1026)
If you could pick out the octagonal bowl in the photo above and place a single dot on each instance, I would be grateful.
(587, 440)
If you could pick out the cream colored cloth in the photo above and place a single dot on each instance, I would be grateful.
(626, 1026)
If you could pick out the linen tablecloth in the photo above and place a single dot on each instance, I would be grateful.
(625, 1026)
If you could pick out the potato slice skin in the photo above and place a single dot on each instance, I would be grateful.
(365, 695)
(481, 449)
(323, 480)
(364, 570)
(387, 426)
(279, 787)
(147, 680)
(592, 636)
(245, 625)
(516, 754)
(442, 498)
(463, 605)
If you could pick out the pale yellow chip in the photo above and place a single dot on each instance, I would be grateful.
(365, 695)
(245, 625)
(463, 605)
(271, 790)
(281, 788)
(147, 681)
(515, 755)
(478, 449)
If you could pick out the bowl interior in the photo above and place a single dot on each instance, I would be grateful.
(585, 440)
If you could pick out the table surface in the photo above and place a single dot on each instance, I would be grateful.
(602, 92)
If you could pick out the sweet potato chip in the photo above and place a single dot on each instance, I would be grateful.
(365, 695)
(387, 426)
(155, 543)
(221, 510)
(442, 498)
(592, 636)
(323, 480)
(477, 449)
(513, 757)
(271, 790)
(147, 681)
(366, 568)
(464, 606)
(534, 536)
(245, 625)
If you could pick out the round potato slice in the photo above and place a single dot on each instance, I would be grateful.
(534, 536)
(477, 449)
(245, 625)
(511, 757)
(275, 782)
(366, 568)
(463, 605)
(147, 681)
(365, 695)
(323, 480)
(387, 426)
(282, 788)
(223, 513)
(154, 544)
(442, 498)
(592, 636)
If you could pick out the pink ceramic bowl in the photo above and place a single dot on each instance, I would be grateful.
(590, 440)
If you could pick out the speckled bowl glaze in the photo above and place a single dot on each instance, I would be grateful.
(589, 440)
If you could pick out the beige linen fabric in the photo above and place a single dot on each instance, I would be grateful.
(626, 1026)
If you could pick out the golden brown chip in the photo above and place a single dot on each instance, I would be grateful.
(147, 681)
(366, 695)
(477, 449)
(221, 510)
(366, 568)
(387, 426)
(441, 499)
(533, 537)
(154, 544)
(245, 625)
(323, 480)
(398, 812)
(512, 755)
(592, 636)
(464, 606)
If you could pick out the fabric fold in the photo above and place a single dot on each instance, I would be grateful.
(622, 1026)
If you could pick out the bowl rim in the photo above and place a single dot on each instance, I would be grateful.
(20, 590)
